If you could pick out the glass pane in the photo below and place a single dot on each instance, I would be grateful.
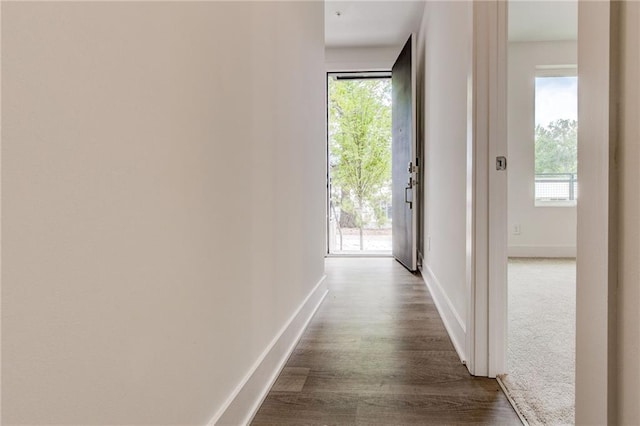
(360, 165)
(556, 138)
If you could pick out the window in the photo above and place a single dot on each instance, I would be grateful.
(556, 140)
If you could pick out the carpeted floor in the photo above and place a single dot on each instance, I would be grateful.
(541, 339)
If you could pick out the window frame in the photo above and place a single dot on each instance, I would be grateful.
(543, 71)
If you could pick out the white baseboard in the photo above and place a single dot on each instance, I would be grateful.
(242, 405)
(452, 321)
(542, 251)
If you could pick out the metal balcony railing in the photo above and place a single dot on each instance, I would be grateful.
(556, 186)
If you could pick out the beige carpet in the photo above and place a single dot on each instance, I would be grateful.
(541, 339)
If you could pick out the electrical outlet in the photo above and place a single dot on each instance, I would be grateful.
(428, 243)
(516, 229)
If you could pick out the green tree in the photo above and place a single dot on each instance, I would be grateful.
(557, 147)
(360, 140)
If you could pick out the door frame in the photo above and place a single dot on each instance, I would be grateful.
(487, 191)
(596, 280)
(355, 74)
(597, 270)
(498, 202)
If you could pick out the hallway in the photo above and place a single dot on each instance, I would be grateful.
(377, 352)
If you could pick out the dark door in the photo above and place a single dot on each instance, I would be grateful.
(403, 77)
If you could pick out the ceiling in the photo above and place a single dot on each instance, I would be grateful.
(370, 23)
(374, 23)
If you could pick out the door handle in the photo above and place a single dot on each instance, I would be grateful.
(405, 198)
(409, 186)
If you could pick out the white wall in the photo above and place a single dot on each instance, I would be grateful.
(163, 209)
(545, 231)
(628, 319)
(444, 43)
(361, 58)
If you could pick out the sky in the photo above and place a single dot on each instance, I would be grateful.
(556, 98)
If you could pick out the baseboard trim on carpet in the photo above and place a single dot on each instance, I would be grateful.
(506, 393)
(244, 402)
(450, 317)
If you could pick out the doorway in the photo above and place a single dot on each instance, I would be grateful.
(542, 213)
(372, 162)
(359, 134)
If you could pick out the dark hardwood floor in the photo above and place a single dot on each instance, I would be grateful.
(377, 352)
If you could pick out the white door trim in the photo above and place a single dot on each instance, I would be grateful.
(487, 191)
(498, 206)
(477, 189)
(596, 240)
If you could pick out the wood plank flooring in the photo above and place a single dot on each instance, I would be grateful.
(377, 353)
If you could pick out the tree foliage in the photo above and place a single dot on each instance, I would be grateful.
(360, 141)
(557, 147)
